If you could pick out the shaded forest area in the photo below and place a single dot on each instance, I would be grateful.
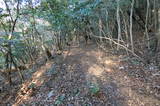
(80, 52)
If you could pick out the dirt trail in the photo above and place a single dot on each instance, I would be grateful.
(85, 67)
(104, 70)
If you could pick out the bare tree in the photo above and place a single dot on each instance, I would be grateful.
(131, 25)
(146, 24)
(119, 23)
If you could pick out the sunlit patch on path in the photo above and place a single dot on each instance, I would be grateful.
(28, 87)
(95, 70)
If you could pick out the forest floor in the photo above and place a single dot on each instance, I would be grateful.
(88, 76)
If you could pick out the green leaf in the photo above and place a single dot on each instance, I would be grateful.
(60, 99)
(94, 89)
(32, 85)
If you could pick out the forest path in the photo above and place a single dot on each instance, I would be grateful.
(89, 77)
(105, 71)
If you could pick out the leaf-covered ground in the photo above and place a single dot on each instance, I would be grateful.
(87, 76)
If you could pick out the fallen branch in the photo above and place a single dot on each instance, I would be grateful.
(100, 37)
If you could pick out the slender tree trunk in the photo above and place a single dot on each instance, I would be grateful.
(155, 16)
(119, 23)
(131, 25)
(158, 34)
(146, 24)
(100, 29)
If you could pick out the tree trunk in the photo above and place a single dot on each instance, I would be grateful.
(131, 26)
(158, 30)
(119, 23)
